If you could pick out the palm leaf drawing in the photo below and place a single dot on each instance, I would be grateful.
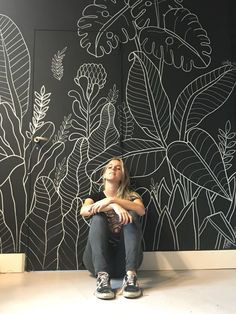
(146, 97)
(111, 23)
(200, 161)
(182, 42)
(203, 96)
(15, 67)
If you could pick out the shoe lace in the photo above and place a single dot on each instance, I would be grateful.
(103, 279)
(131, 280)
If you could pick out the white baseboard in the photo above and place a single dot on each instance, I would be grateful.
(12, 263)
(178, 260)
(174, 260)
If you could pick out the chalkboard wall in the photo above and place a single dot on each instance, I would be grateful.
(83, 81)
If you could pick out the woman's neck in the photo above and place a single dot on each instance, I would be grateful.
(110, 190)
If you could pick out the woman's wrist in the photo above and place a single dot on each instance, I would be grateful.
(111, 200)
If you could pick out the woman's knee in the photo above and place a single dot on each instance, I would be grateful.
(98, 219)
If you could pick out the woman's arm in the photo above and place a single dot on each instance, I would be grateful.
(90, 207)
(136, 205)
(107, 204)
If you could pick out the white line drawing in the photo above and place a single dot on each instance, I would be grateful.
(44, 221)
(15, 70)
(57, 67)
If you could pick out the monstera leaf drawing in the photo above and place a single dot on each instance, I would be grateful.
(146, 8)
(203, 96)
(200, 161)
(103, 26)
(146, 97)
(15, 67)
(182, 42)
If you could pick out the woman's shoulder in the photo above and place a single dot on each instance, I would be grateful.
(133, 195)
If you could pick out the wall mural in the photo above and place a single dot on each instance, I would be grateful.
(47, 170)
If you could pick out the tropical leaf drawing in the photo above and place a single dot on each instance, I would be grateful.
(106, 133)
(7, 244)
(182, 42)
(15, 67)
(7, 166)
(103, 26)
(187, 223)
(126, 121)
(137, 153)
(69, 187)
(203, 96)
(42, 229)
(165, 231)
(146, 97)
(75, 238)
(11, 138)
(148, 7)
(200, 161)
(57, 64)
(220, 225)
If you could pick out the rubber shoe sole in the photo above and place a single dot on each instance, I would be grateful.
(132, 294)
(105, 295)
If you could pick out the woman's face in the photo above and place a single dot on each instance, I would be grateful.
(113, 171)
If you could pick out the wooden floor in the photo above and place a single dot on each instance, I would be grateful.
(64, 292)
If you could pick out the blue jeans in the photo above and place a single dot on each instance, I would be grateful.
(108, 253)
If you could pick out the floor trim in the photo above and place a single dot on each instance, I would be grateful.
(178, 260)
(174, 260)
(12, 262)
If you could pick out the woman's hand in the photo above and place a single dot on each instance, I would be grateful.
(124, 216)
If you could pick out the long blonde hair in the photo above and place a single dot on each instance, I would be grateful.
(124, 190)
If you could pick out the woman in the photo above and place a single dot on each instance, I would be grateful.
(114, 246)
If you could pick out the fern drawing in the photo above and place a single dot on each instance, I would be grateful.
(57, 64)
(42, 100)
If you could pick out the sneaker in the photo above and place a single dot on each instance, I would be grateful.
(131, 288)
(103, 290)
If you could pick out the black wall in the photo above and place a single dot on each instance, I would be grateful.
(82, 81)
